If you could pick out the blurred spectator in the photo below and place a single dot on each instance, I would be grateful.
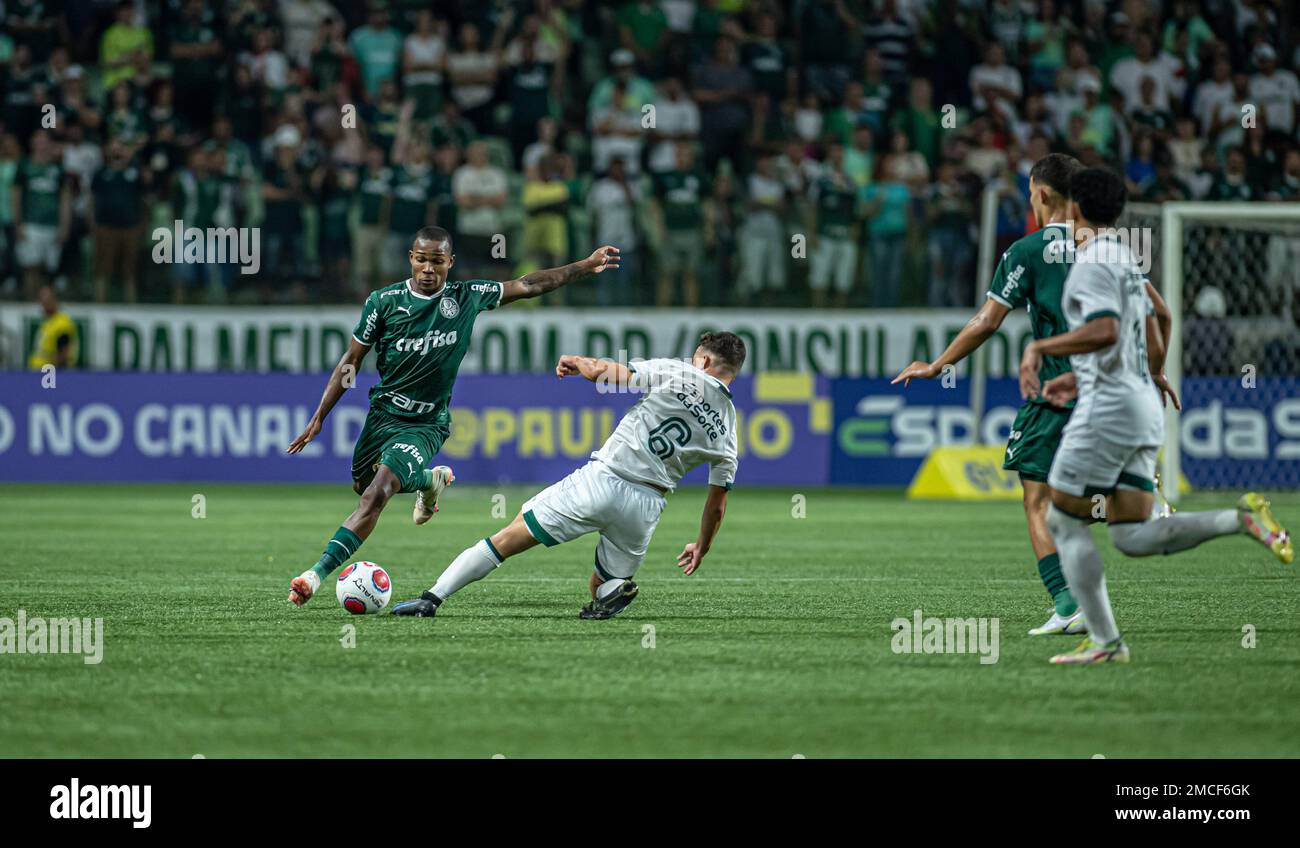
(117, 221)
(57, 338)
(376, 47)
(887, 207)
(612, 204)
(480, 191)
(1276, 91)
(374, 191)
(722, 88)
(302, 20)
(42, 210)
(196, 52)
(124, 45)
(472, 75)
(424, 60)
(834, 243)
(763, 243)
(950, 212)
(679, 194)
(993, 83)
(546, 198)
(677, 121)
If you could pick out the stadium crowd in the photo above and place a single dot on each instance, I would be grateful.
(740, 152)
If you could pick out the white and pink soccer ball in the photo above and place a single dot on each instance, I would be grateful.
(363, 587)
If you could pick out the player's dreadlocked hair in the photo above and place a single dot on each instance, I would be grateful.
(729, 348)
(1100, 194)
(1054, 171)
(433, 234)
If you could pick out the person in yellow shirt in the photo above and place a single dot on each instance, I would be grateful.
(56, 339)
(124, 47)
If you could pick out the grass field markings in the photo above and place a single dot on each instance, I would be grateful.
(648, 636)
(798, 505)
(348, 636)
(199, 506)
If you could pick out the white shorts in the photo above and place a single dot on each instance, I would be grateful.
(595, 499)
(38, 247)
(833, 260)
(1087, 465)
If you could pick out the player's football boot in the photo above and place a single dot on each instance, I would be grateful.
(602, 608)
(1065, 625)
(422, 607)
(1258, 521)
(302, 587)
(426, 500)
(1090, 653)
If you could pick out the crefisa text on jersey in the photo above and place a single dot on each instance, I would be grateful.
(94, 801)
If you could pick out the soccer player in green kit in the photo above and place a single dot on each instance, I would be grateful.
(421, 328)
(1032, 274)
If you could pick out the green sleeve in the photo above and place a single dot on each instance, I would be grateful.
(371, 324)
(1010, 286)
(485, 295)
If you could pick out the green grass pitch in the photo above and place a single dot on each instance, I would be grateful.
(780, 645)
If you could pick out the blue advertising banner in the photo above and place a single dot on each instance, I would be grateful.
(884, 432)
(526, 428)
(1235, 433)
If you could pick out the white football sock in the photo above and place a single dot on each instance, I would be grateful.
(473, 564)
(1081, 564)
(609, 587)
(1177, 532)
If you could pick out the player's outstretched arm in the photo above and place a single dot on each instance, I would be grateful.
(977, 331)
(539, 283)
(595, 370)
(715, 507)
(341, 379)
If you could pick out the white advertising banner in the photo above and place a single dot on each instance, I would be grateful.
(855, 343)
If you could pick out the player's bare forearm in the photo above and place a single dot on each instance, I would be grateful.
(595, 370)
(977, 331)
(715, 508)
(1095, 335)
(538, 283)
(342, 378)
(1156, 350)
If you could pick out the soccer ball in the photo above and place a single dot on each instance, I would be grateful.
(364, 587)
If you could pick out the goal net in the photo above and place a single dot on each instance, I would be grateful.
(1231, 275)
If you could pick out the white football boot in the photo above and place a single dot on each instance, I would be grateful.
(1062, 625)
(426, 500)
(302, 587)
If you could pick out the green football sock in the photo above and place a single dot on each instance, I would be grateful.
(340, 549)
(1049, 569)
(426, 480)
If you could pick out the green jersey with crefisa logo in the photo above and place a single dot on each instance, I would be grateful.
(419, 343)
(1031, 275)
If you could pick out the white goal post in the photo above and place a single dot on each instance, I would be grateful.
(1243, 258)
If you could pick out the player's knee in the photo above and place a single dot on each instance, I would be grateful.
(1064, 526)
(1135, 539)
(374, 498)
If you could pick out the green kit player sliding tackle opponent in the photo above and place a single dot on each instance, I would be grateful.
(1032, 274)
(421, 330)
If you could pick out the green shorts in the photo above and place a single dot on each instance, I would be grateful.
(406, 447)
(1035, 435)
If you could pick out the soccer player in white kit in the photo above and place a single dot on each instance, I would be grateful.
(1109, 446)
(684, 419)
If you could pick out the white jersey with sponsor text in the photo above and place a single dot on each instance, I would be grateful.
(1117, 399)
(685, 419)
